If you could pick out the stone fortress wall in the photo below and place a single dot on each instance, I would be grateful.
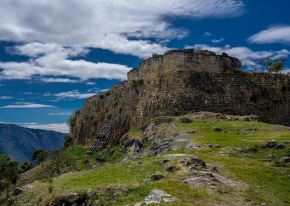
(182, 81)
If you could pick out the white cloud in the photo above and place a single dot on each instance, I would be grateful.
(58, 127)
(58, 80)
(73, 95)
(26, 106)
(50, 59)
(60, 113)
(274, 34)
(105, 24)
(216, 41)
(247, 56)
(5, 97)
(207, 34)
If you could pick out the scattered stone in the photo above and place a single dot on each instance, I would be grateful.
(175, 155)
(285, 159)
(191, 147)
(183, 140)
(185, 120)
(271, 156)
(193, 161)
(216, 129)
(91, 193)
(214, 169)
(156, 197)
(195, 180)
(170, 168)
(17, 191)
(165, 161)
(280, 146)
(271, 144)
(73, 199)
(163, 119)
(100, 160)
(263, 204)
(156, 177)
(28, 186)
(250, 118)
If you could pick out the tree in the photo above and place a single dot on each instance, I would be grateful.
(26, 166)
(275, 65)
(39, 156)
(8, 173)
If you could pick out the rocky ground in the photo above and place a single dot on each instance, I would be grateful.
(197, 159)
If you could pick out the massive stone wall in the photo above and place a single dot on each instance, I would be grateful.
(182, 81)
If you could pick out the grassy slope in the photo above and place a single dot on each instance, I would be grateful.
(265, 181)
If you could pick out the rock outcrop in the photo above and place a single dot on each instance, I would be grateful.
(181, 81)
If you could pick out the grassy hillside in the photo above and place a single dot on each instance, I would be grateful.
(241, 169)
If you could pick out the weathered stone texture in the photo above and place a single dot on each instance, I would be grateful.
(182, 81)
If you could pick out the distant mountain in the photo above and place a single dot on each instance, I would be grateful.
(19, 142)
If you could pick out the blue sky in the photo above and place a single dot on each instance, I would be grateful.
(54, 54)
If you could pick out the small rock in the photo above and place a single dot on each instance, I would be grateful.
(195, 161)
(17, 191)
(195, 180)
(165, 161)
(271, 144)
(285, 159)
(170, 168)
(100, 160)
(280, 146)
(91, 193)
(156, 177)
(185, 120)
(263, 204)
(156, 197)
(271, 156)
(216, 129)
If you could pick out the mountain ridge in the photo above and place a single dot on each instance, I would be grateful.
(20, 142)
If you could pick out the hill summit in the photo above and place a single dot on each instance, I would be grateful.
(178, 82)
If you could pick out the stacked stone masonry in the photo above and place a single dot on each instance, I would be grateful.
(182, 81)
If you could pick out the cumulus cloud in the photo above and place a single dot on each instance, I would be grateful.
(50, 59)
(26, 106)
(122, 26)
(247, 56)
(58, 80)
(58, 127)
(274, 34)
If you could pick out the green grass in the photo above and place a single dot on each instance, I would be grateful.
(266, 182)
(263, 181)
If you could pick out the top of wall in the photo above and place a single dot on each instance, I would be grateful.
(186, 60)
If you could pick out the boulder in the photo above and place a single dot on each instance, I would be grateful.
(17, 191)
(216, 129)
(71, 199)
(185, 120)
(170, 168)
(271, 144)
(280, 146)
(193, 161)
(156, 177)
(285, 159)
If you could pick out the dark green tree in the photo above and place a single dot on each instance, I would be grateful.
(39, 156)
(8, 173)
(26, 166)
